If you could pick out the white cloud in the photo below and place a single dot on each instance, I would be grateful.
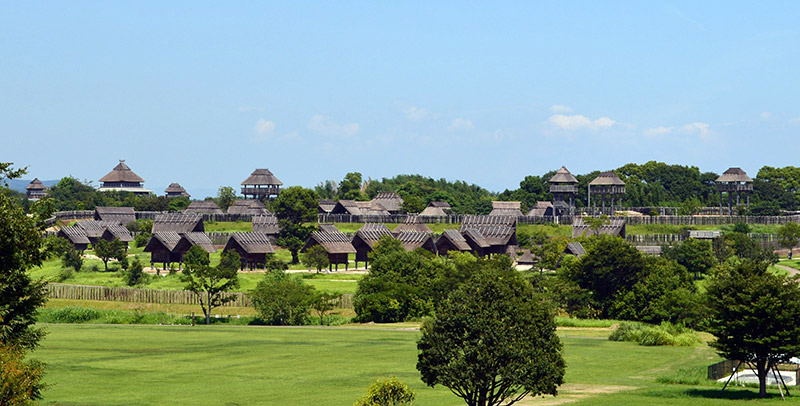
(461, 124)
(415, 113)
(765, 115)
(577, 122)
(795, 120)
(325, 126)
(557, 108)
(264, 127)
(702, 129)
(660, 130)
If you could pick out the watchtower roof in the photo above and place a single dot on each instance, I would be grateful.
(122, 173)
(734, 175)
(262, 177)
(607, 179)
(563, 176)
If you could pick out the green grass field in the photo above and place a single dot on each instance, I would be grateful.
(231, 365)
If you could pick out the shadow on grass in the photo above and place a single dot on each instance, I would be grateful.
(710, 393)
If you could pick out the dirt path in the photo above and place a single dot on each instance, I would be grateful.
(792, 271)
(573, 392)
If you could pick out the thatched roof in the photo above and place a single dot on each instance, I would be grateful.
(575, 248)
(489, 230)
(489, 220)
(346, 207)
(251, 243)
(94, 228)
(541, 209)
(413, 223)
(203, 206)
(477, 238)
(563, 176)
(455, 238)
(615, 227)
(372, 208)
(179, 223)
(75, 235)
(607, 179)
(247, 206)
(436, 209)
(36, 184)
(500, 208)
(176, 188)
(522, 256)
(265, 223)
(734, 175)
(370, 233)
(199, 238)
(413, 239)
(389, 200)
(167, 239)
(334, 242)
(123, 215)
(326, 206)
(122, 173)
(262, 177)
(118, 231)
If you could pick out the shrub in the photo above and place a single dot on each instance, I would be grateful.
(72, 314)
(388, 392)
(282, 299)
(72, 259)
(95, 268)
(141, 239)
(64, 274)
(663, 334)
(20, 379)
(135, 274)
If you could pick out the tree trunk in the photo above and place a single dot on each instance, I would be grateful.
(295, 258)
(763, 369)
(208, 313)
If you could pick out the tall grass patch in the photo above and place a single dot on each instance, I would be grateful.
(649, 335)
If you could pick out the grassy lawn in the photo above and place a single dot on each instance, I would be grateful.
(227, 226)
(795, 263)
(230, 365)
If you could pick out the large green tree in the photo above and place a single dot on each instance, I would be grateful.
(225, 197)
(695, 255)
(755, 315)
(294, 208)
(788, 235)
(493, 341)
(282, 299)
(106, 250)
(210, 283)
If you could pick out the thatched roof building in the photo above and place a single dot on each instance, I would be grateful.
(563, 187)
(390, 201)
(522, 256)
(202, 207)
(451, 240)
(123, 179)
(414, 239)
(122, 215)
(167, 247)
(355, 208)
(179, 223)
(35, 190)
(261, 184)
(506, 209)
(175, 190)
(542, 209)
(436, 209)
(326, 206)
(488, 235)
(366, 237)
(94, 228)
(734, 182)
(413, 223)
(335, 242)
(253, 248)
(614, 227)
(575, 248)
(608, 188)
(76, 236)
(248, 207)
(117, 231)
(267, 224)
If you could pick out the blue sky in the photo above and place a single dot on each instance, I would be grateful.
(202, 93)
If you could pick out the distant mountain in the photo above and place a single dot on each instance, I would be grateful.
(20, 184)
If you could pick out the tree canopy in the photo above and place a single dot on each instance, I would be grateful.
(492, 341)
(755, 316)
(295, 207)
(210, 283)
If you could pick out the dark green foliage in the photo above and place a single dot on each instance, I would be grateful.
(295, 207)
(350, 187)
(282, 299)
(388, 392)
(178, 203)
(140, 240)
(72, 259)
(697, 256)
(324, 302)
(316, 257)
(755, 316)
(741, 246)
(210, 283)
(789, 233)
(135, 274)
(225, 197)
(665, 333)
(492, 340)
(743, 228)
(404, 285)
(20, 249)
(327, 190)
(56, 247)
(106, 250)
(464, 198)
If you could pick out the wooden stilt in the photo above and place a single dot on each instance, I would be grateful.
(735, 370)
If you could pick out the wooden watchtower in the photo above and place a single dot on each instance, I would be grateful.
(608, 188)
(734, 182)
(261, 184)
(175, 190)
(563, 187)
(36, 190)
